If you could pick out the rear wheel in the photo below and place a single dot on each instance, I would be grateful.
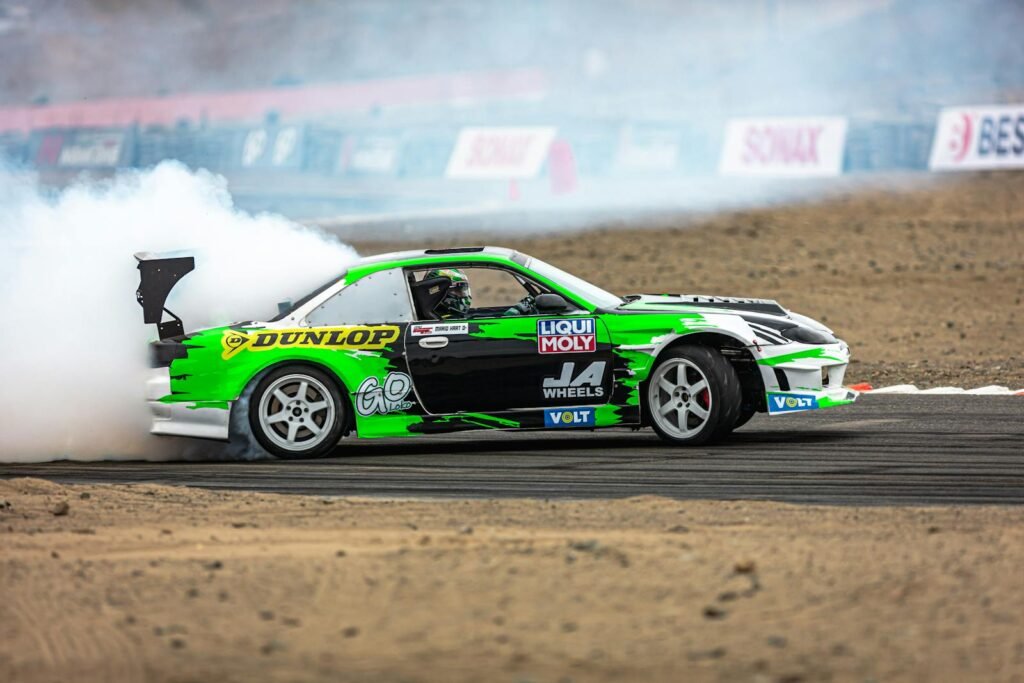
(296, 412)
(693, 395)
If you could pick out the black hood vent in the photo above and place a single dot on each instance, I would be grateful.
(767, 306)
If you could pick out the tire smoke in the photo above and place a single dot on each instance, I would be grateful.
(73, 348)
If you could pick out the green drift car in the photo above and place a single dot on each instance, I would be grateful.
(382, 351)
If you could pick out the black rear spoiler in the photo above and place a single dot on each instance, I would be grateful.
(157, 278)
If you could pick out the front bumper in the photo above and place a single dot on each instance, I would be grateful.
(182, 419)
(799, 377)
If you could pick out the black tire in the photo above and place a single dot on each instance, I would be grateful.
(307, 426)
(716, 391)
(744, 417)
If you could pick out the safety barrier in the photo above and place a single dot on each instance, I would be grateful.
(599, 148)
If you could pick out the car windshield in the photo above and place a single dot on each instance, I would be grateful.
(581, 288)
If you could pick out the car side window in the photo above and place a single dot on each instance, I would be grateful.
(494, 291)
(380, 297)
(494, 288)
(497, 290)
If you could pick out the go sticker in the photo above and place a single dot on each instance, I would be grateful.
(373, 397)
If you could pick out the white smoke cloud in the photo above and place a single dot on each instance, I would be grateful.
(73, 348)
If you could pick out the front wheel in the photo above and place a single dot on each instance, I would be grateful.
(693, 395)
(296, 412)
(743, 417)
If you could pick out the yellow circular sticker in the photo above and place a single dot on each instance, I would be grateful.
(791, 403)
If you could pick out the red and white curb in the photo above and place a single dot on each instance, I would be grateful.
(990, 390)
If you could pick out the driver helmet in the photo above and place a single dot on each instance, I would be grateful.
(458, 299)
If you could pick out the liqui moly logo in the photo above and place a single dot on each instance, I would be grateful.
(566, 335)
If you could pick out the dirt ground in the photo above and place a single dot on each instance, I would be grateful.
(925, 286)
(131, 583)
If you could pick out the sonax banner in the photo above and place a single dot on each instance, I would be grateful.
(968, 138)
(786, 147)
(500, 153)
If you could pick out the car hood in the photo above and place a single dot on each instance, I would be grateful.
(766, 313)
(665, 303)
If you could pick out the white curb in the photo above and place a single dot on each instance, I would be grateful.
(990, 390)
(896, 389)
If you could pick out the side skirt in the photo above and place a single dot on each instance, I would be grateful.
(569, 417)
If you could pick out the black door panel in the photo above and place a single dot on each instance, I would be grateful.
(497, 364)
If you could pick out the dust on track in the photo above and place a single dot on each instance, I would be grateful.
(169, 584)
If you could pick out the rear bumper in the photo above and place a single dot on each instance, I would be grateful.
(182, 419)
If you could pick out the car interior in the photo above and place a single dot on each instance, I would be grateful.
(427, 293)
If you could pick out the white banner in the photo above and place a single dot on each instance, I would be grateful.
(643, 148)
(969, 138)
(500, 153)
(91, 149)
(269, 146)
(788, 147)
(375, 154)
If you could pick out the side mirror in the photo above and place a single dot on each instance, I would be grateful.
(551, 303)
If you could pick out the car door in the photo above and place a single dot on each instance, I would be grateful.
(510, 362)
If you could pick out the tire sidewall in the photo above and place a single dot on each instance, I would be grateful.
(743, 417)
(334, 431)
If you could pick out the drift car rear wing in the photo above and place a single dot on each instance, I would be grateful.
(157, 278)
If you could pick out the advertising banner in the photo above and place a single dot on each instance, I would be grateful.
(272, 147)
(81, 148)
(91, 149)
(784, 147)
(970, 138)
(371, 154)
(647, 149)
(500, 153)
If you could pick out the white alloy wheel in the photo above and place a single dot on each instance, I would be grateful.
(296, 412)
(680, 398)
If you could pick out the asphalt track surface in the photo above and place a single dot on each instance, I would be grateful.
(883, 450)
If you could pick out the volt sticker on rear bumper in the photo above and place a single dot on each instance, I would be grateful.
(790, 403)
(569, 417)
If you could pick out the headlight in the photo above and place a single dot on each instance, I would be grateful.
(806, 335)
